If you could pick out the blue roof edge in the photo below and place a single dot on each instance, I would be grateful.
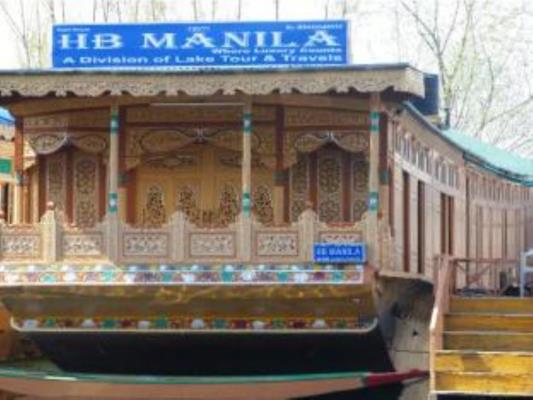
(523, 179)
(6, 118)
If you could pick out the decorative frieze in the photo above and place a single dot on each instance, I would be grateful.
(212, 245)
(340, 237)
(277, 244)
(403, 79)
(20, 245)
(144, 244)
(198, 274)
(82, 244)
(193, 323)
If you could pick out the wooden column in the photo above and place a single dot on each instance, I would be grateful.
(112, 218)
(113, 175)
(246, 201)
(3, 215)
(247, 159)
(123, 173)
(19, 171)
(372, 238)
(280, 176)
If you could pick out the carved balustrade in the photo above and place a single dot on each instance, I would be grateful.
(178, 241)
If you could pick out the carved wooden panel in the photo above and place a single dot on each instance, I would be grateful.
(277, 244)
(330, 185)
(86, 202)
(212, 245)
(20, 245)
(187, 199)
(82, 244)
(340, 237)
(56, 169)
(299, 187)
(154, 211)
(262, 204)
(359, 188)
(145, 244)
(229, 203)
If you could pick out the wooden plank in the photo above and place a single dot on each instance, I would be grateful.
(505, 305)
(485, 383)
(488, 341)
(493, 362)
(489, 322)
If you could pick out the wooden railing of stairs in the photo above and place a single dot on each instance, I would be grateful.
(481, 342)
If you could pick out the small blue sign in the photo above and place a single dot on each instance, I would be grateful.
(339, 253)
(193, 46)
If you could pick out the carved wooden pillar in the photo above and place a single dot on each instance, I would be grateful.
(19, 171)
(247, 159)
(123, 173)
(113, 178)
(112, 199)
(280, 176)
(246, 201)
(372, 238)
(3, 215)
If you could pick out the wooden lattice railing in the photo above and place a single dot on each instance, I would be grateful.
(179, 241)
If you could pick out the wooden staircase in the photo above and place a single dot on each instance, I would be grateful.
(486, 348)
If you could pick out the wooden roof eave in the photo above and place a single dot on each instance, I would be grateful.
(30, 84)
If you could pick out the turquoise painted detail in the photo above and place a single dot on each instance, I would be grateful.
(49, 278)
(374, 122)
(247, 123)
(246, 203)
(167, 277)
(18, 178)
(113, 202)
(50, 323)
(114, 125)
(109, 324)
(283, 276)
(46, 371)
(227, 276)
(109, 276)
(6, 166)
(338, 276)
(219, 324)
(384, 178)
(161, 323)
(373, 201)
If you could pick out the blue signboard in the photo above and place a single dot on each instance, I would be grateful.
(339, 253)
(201, 45)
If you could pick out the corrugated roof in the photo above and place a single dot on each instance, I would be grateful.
(492, 155)
(485, 155)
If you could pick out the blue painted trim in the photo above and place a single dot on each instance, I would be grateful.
(246, 203)
(373, 201)
(112, 205)
(247, 123)
(374, 122)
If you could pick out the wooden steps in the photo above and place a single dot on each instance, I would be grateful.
(485, 383)
(488, 348)
(489, 322)
(493, 305)
(485, 362)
